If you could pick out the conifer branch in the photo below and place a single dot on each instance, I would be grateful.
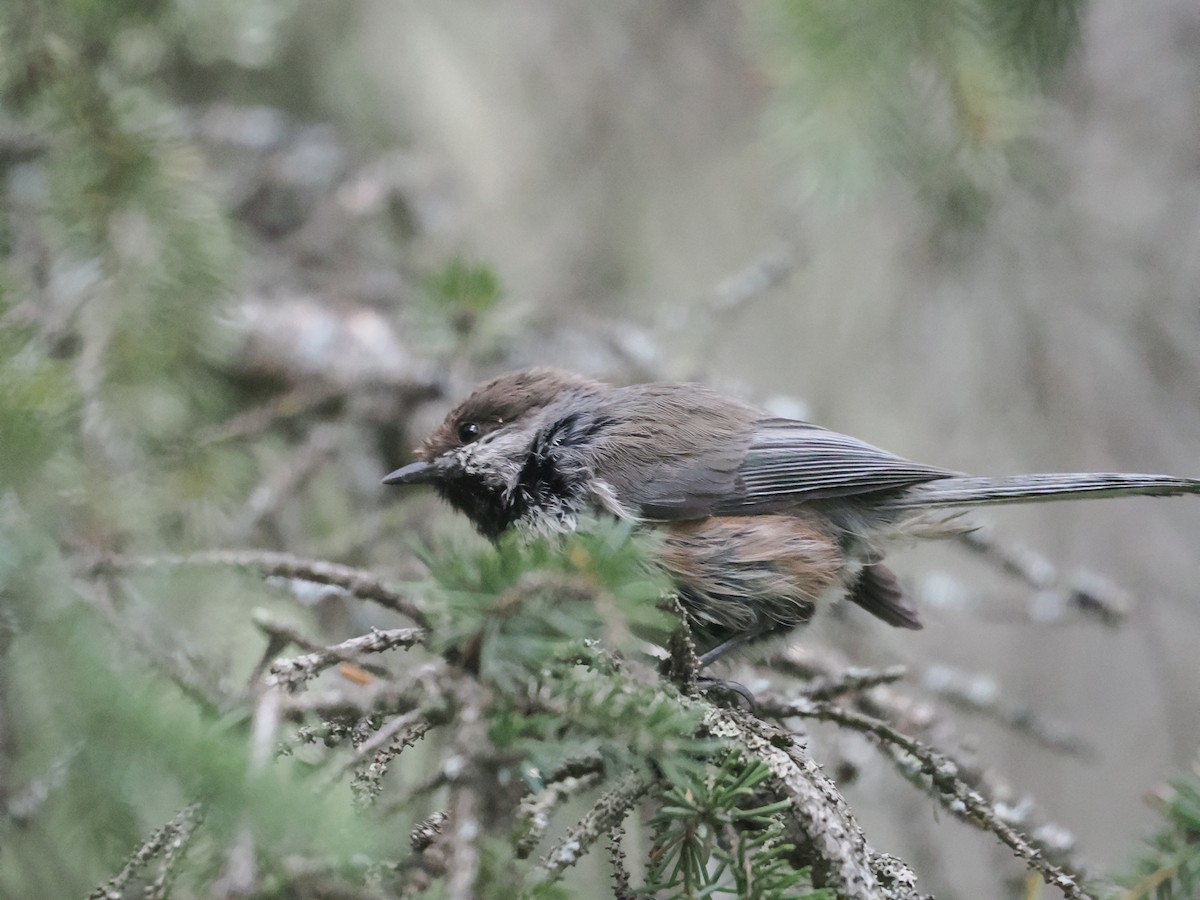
(605, 813)
(536, 809)
(819, 819)
(168, 842)
(295, 671)
(952, 791)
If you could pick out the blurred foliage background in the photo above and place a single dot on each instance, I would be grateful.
(252, 250)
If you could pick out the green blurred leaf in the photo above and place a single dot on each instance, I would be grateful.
(465, 287)
(938, 94)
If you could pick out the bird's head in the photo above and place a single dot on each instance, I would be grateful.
(486, 458)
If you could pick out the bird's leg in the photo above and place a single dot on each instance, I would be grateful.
(708, 657)
(706, 685)
(683, 666)
(761, 629)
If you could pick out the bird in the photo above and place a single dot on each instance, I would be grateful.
(763, 519)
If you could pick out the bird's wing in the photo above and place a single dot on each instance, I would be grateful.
(791, 461)
(787, 462)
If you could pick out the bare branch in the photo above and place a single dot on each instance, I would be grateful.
(169, 842)
(295, 671)
(285, 480)
(823, 822)
(427, 830)
(169, 657)
(852, 681)
(23, 803)
(537, 809)
(732, 294)
(955, 794)
(979, 694)
(426, 840)
(622, 886)
(367, 783)
(292, 403)
(604, 814)
(356, 582)
(1086, 593)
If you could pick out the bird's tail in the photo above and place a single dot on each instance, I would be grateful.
(970, 490)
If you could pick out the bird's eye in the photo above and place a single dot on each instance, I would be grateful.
(468, 431)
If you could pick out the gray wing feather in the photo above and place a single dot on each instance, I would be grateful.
(783, 463)
(691, 454)
(690, 486)
(790, 462)
(673, 451)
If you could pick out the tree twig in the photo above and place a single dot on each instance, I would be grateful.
(358, 583)
(256, 420)
(283, 482)
(23, 803)
(921, 716)
(1086, 592)
(169, 657)
(297, 670)
(955, 794)
(818, 815)
(537, 808)
(604, 814)
(852, 681)
(366, 786)
(979, 694)
(169, 842)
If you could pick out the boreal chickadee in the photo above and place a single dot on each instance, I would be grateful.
(763, 518)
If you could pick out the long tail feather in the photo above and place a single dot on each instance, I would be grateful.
(970, 490)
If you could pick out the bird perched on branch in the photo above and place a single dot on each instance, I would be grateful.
(764, 519)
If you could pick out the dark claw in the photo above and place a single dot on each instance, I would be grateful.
(730, 689)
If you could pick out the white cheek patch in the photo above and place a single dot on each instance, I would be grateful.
(496, 459)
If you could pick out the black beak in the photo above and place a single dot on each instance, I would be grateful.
(413, 473)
